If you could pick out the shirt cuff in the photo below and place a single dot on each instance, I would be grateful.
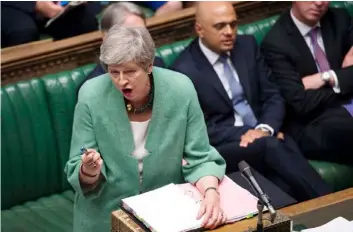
(267, 127)
(336, 88)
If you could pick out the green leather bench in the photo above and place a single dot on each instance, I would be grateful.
(36, 120)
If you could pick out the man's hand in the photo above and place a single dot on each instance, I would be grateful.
(313, 81)
(48, 8)
(251, 135)
(280, 135)
(348, 59)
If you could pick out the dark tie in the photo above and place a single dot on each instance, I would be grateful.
(322, 62)
(240, 105)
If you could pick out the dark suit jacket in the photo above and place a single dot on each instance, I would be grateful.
(28, 7)
(99, 70)
(262, 95)
(290, 59)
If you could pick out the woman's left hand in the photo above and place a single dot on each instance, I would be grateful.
(211, 211)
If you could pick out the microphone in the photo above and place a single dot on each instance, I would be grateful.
(246, 173)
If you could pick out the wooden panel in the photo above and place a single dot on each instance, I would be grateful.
(44, 57)
(244, 225)
(295, 209)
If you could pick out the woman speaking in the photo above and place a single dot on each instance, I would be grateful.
(138, 124)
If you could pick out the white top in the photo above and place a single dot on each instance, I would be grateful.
(139, 131)
(305, 32)
(213, 58)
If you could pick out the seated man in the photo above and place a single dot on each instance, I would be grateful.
(124, 13)
(243, 109)
(310, 52)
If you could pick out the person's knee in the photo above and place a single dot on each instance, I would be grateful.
(268, 143)
(21, 34)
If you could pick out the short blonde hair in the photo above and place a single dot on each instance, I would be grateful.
(125, 44)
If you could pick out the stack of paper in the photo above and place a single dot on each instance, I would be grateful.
(174, 208)
(236, 202)
(339, 224)
(167, 209)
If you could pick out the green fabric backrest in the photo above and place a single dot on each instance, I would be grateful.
(170, 52)
(36, 121)
(258, 29)
(61, 89)
(29, 164)
(346, 4)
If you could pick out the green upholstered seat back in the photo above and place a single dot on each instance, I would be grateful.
(258, 29)
(346, 4)
(29, 164)
(61, 90)
(36, 121)
(170, 52)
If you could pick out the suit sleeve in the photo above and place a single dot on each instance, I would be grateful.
(28, 7)
(82, 135)
(302, 102)
(345, 80)
(273, 107)
(344, 75)
(202, 159)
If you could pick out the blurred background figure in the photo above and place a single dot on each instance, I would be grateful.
(23, 22)
(162, 7)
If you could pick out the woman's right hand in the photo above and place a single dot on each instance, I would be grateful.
(91, 163)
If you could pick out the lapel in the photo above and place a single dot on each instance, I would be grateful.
(118, 120)
(163, 107)
(303, 53)
(329, 39)
(207, 72)
(239, 63)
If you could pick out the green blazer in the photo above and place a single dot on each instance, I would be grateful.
(176, 131)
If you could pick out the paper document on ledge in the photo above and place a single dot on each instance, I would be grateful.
(71, 5)
(338, 224)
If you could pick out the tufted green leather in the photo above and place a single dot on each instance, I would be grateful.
(258, 29)
(339, 176)
(36, 120)
(53, 213)
(36, 132)
(61, 90)
(170, 52)
(29, 168)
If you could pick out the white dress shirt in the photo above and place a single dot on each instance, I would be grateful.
(213, 58)
(139, 131)
(305, 32)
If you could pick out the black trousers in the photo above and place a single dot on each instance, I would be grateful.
(19, 27)
(281, 162)
(329, 137)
